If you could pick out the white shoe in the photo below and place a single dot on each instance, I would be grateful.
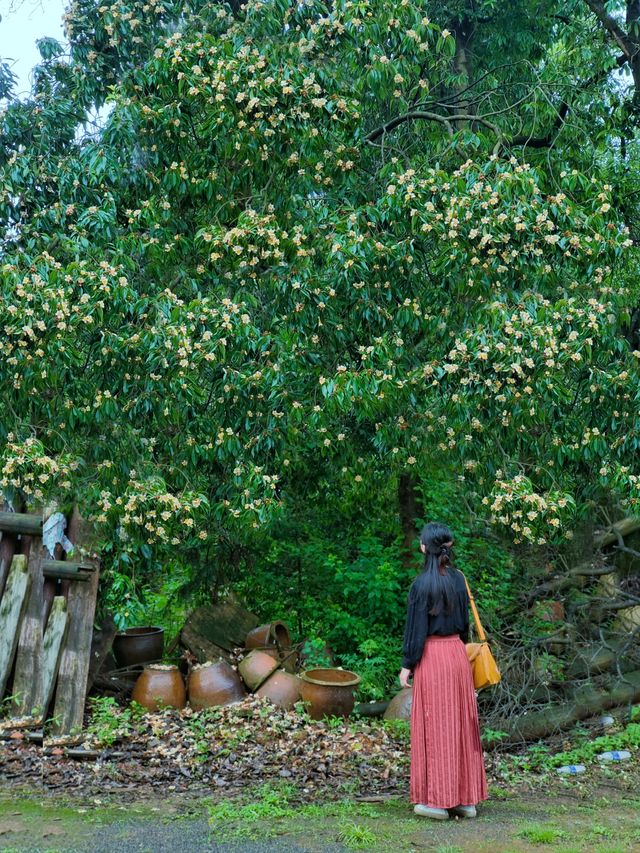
(465, 811)
(428, 811)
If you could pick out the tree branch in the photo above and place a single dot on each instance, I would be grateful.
(625, 43)
(424, 115)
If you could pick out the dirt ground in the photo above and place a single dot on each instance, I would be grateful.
(570, 817)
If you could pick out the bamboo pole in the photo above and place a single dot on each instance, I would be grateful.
(67, 566)
(66, 574)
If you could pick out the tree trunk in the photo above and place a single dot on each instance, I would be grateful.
(408, 504)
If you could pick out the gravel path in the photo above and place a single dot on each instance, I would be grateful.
(192, 836)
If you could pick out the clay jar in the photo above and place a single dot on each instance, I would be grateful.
(273, 634)
(329, 692)
(214, 684)
(287, 658)
(256, 668)
(400, 706)
(138, 645)
(281, 688)
(160, 687)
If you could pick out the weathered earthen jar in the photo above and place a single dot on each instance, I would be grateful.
(400, 706)
(329, 692)
(138, 645)
(281, 688)
(256, 668)
(273, 634)
(214, 684)
(160, 687)
(287, 658)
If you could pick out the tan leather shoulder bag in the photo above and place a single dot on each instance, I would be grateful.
(483, 664)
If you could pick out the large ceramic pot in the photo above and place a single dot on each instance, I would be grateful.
(400, 706)
(281, 688)
(273, 634)
(160, 687)
(256, 668)
(329, 692)
(214, 684)
(138, 645)
(287, 658)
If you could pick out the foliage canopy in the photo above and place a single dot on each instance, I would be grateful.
(320, 237)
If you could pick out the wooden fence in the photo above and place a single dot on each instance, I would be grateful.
(47, 607)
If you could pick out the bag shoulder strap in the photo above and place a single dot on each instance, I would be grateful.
(481, 634)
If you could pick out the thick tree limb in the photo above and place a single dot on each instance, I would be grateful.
(625, 43)
(425, 115)
(546, 140)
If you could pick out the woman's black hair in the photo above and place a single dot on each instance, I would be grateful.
(434, 586)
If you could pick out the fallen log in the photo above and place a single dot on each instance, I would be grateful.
(617, 531)
(585, 702)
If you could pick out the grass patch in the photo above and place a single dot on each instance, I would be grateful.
(356, 837)
(541, 834)
(271, 810)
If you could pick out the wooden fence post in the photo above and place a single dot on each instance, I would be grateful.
(74, 662)
(27, 681)
(54, 636)
(12, 608)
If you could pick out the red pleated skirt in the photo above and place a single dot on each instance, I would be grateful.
(447, 767)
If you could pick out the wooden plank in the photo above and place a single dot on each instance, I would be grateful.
(27, 681)
(101, 644)
(12, 609)
(52, 646)
(21, 522)
(7, 550)
(76, 655)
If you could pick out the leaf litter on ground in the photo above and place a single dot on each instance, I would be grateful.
(234, 747)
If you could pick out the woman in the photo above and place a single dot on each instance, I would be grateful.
(447, 768)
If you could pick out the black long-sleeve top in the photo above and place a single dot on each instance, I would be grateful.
(421, 624)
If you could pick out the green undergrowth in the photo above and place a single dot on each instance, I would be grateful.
(539, 758)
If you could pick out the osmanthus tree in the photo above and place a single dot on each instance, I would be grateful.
(278, 257)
